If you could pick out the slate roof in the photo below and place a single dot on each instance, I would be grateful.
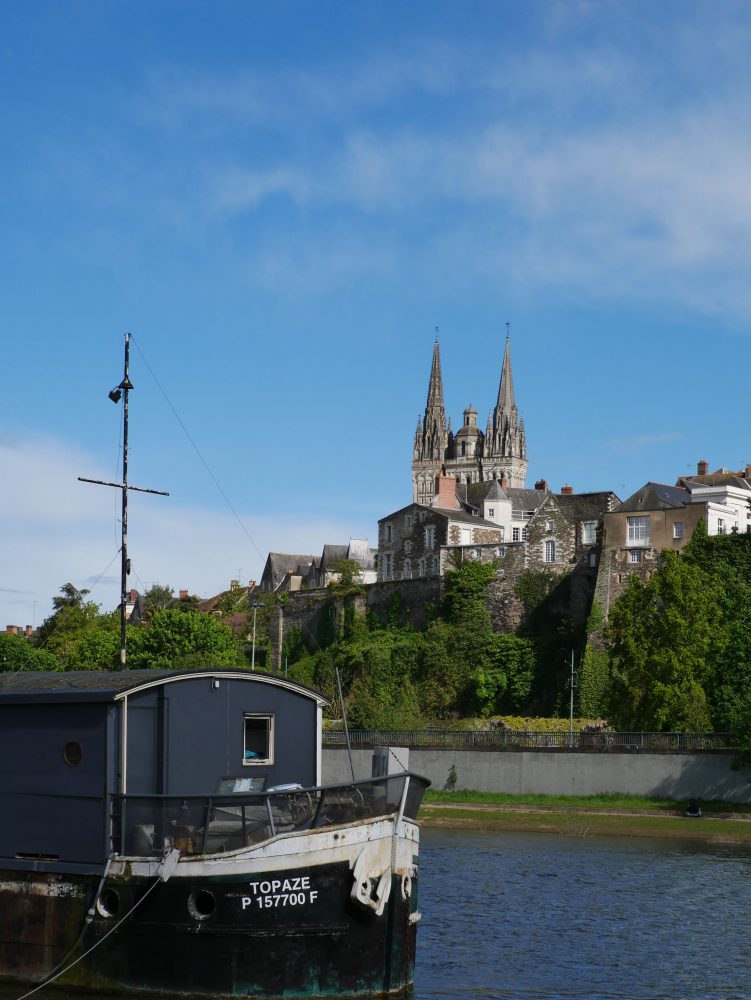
(587, 504)
(333, 553)
(465, 518)
(494, 491)
(278, 563)
(655, 496)
(105, 685)
(719, 478)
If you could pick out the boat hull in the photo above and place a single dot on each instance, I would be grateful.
(316, 913)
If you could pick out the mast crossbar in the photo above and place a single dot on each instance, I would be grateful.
(121, 392)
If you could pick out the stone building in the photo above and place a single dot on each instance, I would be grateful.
(285, 571)
(479, 521)
(413, 541)
(469, 455)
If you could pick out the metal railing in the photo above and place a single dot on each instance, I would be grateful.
(147, 825)
(514, 739)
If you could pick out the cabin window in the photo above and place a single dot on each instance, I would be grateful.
(259, 739)
(72, 753)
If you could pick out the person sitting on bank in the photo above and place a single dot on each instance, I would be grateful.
(693, 809)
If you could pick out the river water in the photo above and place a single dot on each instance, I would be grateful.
(542, 917)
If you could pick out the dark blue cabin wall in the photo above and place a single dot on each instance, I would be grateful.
(49, 807)
(185, 736)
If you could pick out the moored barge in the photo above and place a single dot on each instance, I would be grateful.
(168, 832)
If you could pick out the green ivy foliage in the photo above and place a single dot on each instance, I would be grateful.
(395, 677)
(594, 682)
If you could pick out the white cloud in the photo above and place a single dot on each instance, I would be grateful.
(55, 530)
(648, 209)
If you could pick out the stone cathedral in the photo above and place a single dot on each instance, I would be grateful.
(469, 455)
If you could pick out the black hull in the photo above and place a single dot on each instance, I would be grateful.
(294, 933)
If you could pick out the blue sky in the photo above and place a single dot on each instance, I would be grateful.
(283, 200)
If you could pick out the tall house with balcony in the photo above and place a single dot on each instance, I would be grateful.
(659, 517)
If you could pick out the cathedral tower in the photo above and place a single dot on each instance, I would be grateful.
(470, 455)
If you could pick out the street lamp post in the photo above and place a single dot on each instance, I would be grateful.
(255, 606)
(571, 704)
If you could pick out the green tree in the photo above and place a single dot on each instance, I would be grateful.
(182, 639)
(96, 648)
(17, 653)
(158, 597)
(349, 578)
(73, 616)
(233, 602)
(664, 637)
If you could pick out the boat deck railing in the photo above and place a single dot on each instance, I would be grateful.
(517, 739)
(147, 825)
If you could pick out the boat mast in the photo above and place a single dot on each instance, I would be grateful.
(121, 391)
(125, 386)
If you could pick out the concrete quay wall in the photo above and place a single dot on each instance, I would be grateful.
(673, 776)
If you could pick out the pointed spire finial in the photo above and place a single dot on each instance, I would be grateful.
(508, 330)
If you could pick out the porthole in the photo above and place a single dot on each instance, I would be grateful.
(72, 753)
(108, 904)
(201, 904)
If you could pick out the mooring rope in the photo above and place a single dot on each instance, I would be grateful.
(67, 968)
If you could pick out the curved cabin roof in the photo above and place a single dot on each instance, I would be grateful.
(114, 685)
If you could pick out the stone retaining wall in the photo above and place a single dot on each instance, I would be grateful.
(671, 776)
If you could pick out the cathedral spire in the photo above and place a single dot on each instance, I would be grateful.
(508, 447)
(435, 386)
(506, 389)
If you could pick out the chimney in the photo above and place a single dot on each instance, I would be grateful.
(183, 595)
(748, 472)
(445, 493)
(504, 483)
(702, 468)
(542, 485)
(234, 585)
(567, 491)
(28, 631)
(11, 629)
(132, 597)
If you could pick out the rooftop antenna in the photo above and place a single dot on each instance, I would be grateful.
(121, 392)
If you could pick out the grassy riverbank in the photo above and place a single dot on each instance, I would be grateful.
(617, 815)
